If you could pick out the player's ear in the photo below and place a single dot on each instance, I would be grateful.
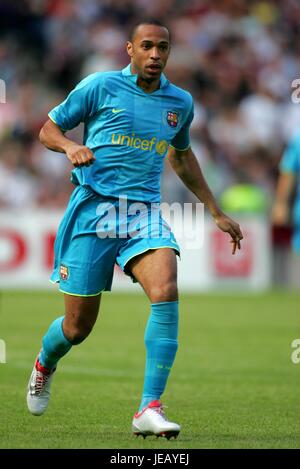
(129, 48)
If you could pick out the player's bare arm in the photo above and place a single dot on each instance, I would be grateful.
(186, 166)
(281, 208)
(53, 138)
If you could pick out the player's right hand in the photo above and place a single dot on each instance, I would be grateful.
(79, 155)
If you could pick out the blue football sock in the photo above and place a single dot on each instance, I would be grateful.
(161, 347)
(55, 344)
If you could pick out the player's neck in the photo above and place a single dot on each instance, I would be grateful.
(148, 86)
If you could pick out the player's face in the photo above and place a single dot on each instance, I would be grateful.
(149, 51)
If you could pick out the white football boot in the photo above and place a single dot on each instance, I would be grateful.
(153, 421)
(38, 391)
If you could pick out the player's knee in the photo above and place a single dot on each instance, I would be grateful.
(76, 333)
(166, 291)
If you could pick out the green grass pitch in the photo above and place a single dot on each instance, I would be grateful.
(233, 384)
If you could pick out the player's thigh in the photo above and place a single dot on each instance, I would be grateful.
(156, 271)
(81, 313)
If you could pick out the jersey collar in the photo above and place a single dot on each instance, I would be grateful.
(133, 77)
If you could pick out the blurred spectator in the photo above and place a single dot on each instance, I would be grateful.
(286, 208)
(238, 58)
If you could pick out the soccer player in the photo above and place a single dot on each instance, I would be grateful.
(285, 204)
(132, 119)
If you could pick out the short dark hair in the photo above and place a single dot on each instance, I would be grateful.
(138, 23)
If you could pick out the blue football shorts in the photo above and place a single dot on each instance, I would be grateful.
(296, 240)
(296, 227)
(96, 232)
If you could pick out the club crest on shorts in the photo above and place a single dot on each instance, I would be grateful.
(63, 272)
(172, 118)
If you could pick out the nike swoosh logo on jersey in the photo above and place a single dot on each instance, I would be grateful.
(115, 111)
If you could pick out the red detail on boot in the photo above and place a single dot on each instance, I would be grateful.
(151, 405)
(42, 369)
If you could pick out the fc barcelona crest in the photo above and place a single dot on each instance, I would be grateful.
(172, 118)
(64, 272)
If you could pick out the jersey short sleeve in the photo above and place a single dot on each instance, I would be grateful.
(290, 162)
(181, 141)
(80, 104)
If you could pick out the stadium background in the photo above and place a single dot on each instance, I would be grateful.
(238, 58)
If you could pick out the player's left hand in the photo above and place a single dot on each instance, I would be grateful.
(228, 225)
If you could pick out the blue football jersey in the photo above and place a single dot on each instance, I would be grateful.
(128, 130)
(290, 163)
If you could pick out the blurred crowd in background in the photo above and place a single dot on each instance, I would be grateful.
(238, 58)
